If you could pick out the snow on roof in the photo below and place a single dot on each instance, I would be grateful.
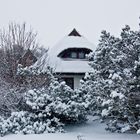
(73, 40)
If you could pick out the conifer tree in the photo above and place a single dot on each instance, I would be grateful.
(113, 78)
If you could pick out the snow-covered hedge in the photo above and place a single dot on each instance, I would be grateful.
(28, 123)
(47, 110)
(58, 101)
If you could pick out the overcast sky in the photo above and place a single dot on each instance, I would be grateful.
(53, 19)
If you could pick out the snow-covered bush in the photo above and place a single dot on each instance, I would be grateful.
(47, 109)
(32, 77)
(58, 101)
(29, 123)
(113, 83)
(11, 98)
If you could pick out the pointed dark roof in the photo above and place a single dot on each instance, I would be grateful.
(74, 32)
(27, 59)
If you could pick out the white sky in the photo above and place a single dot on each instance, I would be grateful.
(53, 19)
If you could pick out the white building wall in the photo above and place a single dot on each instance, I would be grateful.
(77, 79)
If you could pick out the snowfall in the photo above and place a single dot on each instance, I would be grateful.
(91, 130)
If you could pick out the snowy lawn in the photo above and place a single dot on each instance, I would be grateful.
(92, 130)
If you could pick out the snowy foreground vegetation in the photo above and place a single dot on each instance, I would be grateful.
(39, 103)
(91, 130)
(114, 81)
(46, 109)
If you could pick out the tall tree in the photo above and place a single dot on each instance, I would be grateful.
(14, 41)
(114, 80)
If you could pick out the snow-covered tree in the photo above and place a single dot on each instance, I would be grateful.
(58, 101)
(11, 98)
(31, 77)
(25, 122)
(46, 107)
(47, 110)
(109, 82)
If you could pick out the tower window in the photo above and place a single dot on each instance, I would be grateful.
(73, 54)
(81, 55)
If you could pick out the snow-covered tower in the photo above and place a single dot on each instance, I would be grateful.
(68, 58)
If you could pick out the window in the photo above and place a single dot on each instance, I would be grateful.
(81, 55)
(78, 55)
(69, 81)
(73, 55)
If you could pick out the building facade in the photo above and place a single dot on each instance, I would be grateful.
(68, 58)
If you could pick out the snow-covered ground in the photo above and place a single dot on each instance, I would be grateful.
(92, 130)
